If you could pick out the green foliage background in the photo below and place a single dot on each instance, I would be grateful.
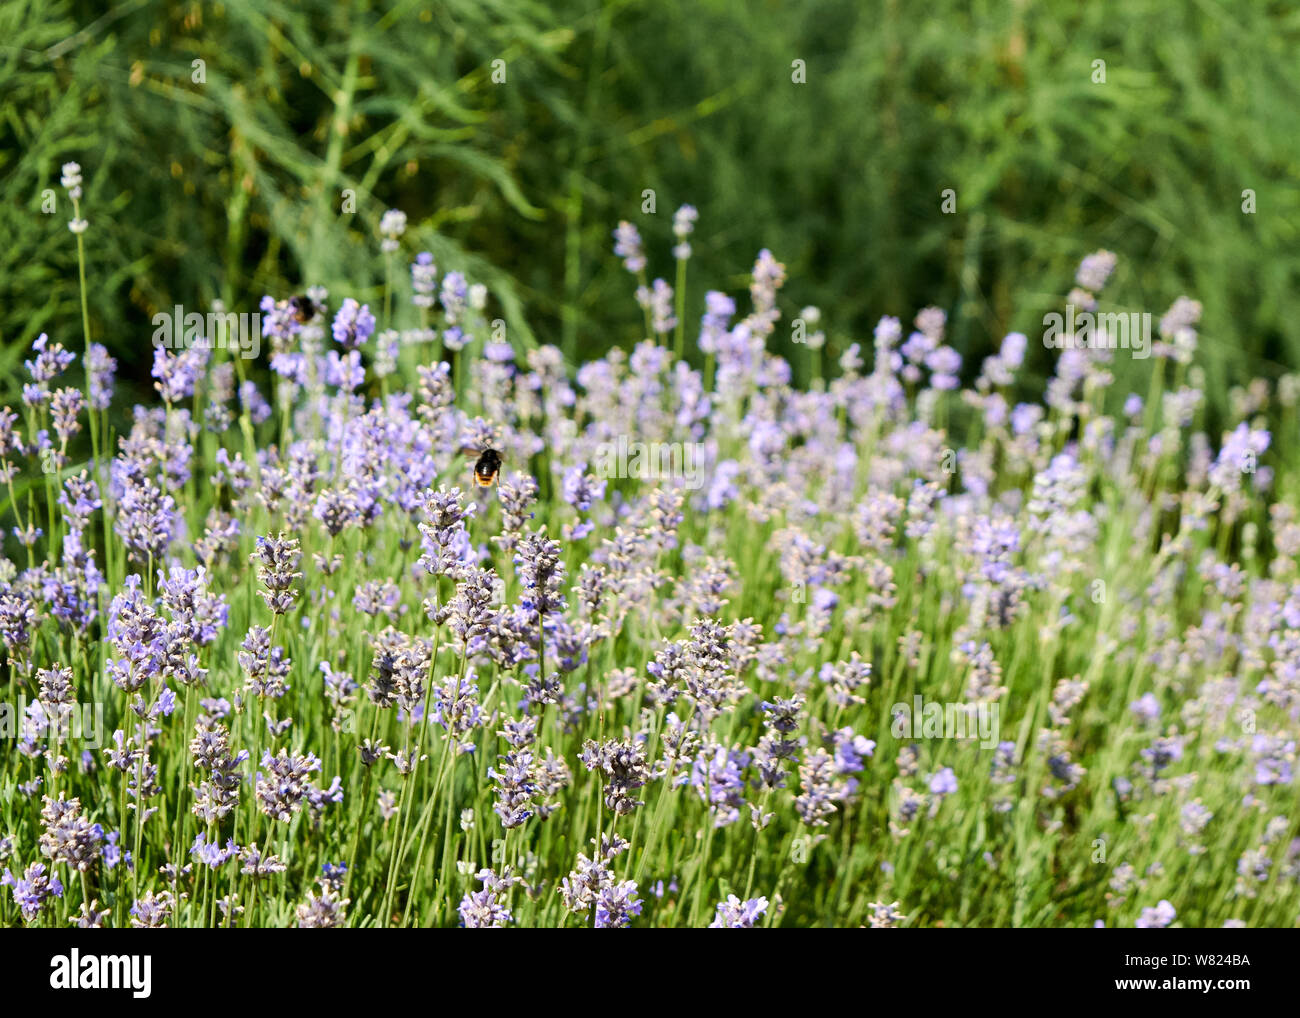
(232, 188)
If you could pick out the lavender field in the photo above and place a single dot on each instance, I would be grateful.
(706, 649)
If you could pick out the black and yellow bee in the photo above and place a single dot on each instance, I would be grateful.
(486, 466)
(303, 308)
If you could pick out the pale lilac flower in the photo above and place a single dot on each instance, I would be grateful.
(353, 325)
(735, 914)
(627, 245)
(1157, 917)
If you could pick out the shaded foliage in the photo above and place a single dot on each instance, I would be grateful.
(233, 187)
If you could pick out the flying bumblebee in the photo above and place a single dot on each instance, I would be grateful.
(486, 466)
(303, 309)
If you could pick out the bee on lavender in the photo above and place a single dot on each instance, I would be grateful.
(303, 308)
(486, 466)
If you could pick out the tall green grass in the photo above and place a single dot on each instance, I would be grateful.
(233, 187)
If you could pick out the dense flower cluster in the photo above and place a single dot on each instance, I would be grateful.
(717, 649)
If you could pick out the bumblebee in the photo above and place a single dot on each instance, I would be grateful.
(303, 309)
(486, 467)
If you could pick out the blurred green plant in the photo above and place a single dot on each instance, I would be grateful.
(233, 186)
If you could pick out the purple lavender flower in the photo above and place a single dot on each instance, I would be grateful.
(734, 914)
(322, 911)
(265, 667)
(719, 309)
(683, 226)
(282, 785)
(627, 245)
(277, 561)
(443, 535)
(176, 375)
(515, 787)
(1146, 708)
(151, 911)
(580, 489)
(101, 369)
(488, 908)
(218, 795)
(1095, 270)
(944, 363)
(943, 783)
(1239, 455)
(617, 905)
(816, 775)
(392, 224)
(353, 325)
(1158, 917)
(658, 300)
(69, 838)
(424, 280)
(454, 297)
(541, 572)
(624, 769)
(884, 916)
(50, 361)
(146, 520)
(65, 409)
(32, 891)
(781, 718)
